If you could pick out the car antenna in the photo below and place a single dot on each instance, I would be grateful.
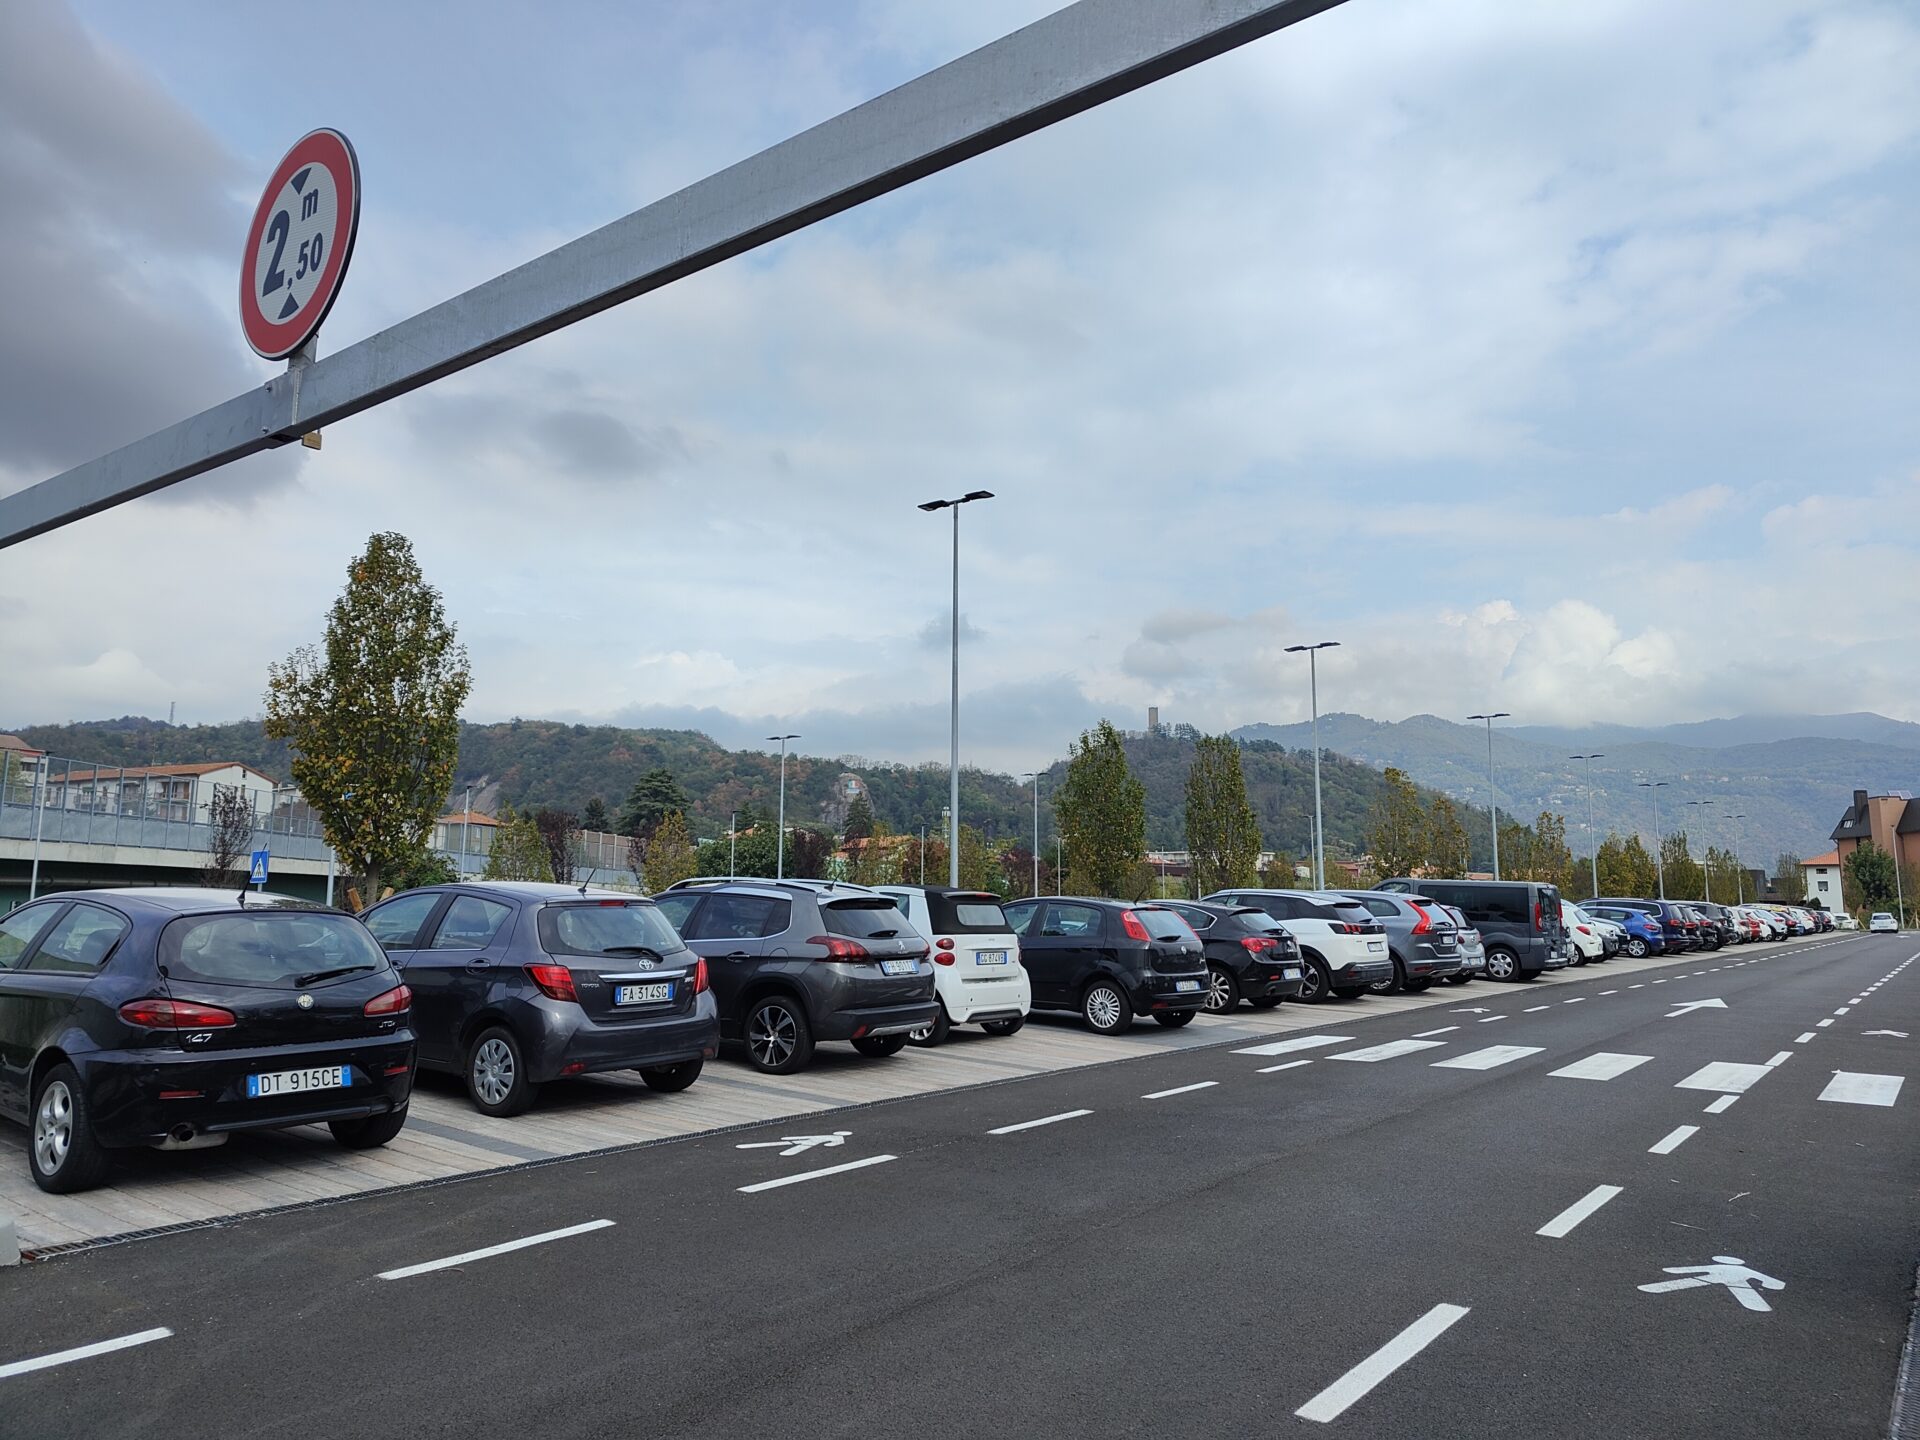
(583, 889)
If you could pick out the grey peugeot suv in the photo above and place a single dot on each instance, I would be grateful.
(795, 962)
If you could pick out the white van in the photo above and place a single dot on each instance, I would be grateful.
(977, 974)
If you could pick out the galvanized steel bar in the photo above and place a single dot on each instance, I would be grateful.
(1073, 60)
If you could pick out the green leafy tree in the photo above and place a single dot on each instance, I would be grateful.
(1277, 873)
(1626, 868)
(1685, 879)
(1101, 810)
(1868, 877)
(859, 819)
(519, 852)
(1398, 836)
(431, 868)
(979, 866)
(1788, 878)
(670, 854)
(1545, 856)
(1223, 834)
(1725, 878)
(594, 816)
(1448, 849)
(655, 795)
(372, 714)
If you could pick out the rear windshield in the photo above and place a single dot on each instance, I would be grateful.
(966, 915)
(1164, 924)
(606, 927)
(864, 919)
(271, 949)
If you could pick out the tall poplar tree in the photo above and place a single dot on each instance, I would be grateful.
(1397, 834)
(1101, 810)
(1223, 834)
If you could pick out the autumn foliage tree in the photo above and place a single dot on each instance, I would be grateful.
(670, 854)
(1397, 836)
(1223, 834)
(373, 714)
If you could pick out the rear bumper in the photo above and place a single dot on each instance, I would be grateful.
(1429, 965)
(965, 999)
(572, 1044)
(124, 1088)
(875, 1020)
(1162, 992)
(1360, 972)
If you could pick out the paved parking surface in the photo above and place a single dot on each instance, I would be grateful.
(445, 1137)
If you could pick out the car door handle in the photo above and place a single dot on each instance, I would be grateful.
(737, 955)
(479, 965)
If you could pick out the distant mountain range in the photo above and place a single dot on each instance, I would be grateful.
(1789, 775)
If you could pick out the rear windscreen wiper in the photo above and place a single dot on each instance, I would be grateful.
(317, 976)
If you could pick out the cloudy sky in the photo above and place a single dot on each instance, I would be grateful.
(1554, 358)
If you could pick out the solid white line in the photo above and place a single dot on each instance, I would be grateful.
(487, 1254)
(1392, 1050)
(82, 1352)
(1289, 1065)
(1606, 1065)
(1850, 1088)
(1531, 1008)
(1780, 1059)
(1296, 1042)
(1722, 1105)
(1043, 1120)
(1180, 1090)
(1724, 1076)
(1333, 1401)
(1488, 1058)
(1429, 1034)
(816, 1174)
(1804, 1038)
(1674, 1140)
(1562, 1224)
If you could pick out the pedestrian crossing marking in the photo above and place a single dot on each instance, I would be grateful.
(1392, 1050)
(1850, 1087)
(1295, 1042)
(1724, 1076)
(1488, 1058)
(1606, 1065)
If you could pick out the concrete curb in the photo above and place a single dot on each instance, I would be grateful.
(1904, 1423)
(9, 1241)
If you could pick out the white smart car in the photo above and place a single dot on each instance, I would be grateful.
(977, 975)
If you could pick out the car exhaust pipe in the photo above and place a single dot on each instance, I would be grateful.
(185, 1137)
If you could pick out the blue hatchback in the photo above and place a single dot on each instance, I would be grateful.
(1644, 934)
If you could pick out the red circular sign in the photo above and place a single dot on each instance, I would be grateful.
(299, 244)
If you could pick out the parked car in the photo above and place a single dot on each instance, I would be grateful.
(1422, 940)
(1674, 929)
(1882, 923)
(1842, 920)
(1645, 934)
(1588, 940)
(174, 1018)
(1725, 932)
(1250, 955)
(1776, 925)
(1612, 933)
(1110, 960)
(793, 963)
(977, 975)
(517, 984)
(1343, 947)
(1518, 920)
(1473, 953)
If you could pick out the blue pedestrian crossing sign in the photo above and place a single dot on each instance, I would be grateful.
(258, 876)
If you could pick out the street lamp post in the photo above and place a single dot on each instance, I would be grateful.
(1659, 861)
(1034, 776)
(1593, 835)
(466, 823)
(1706, 871)
(1739, 875)
(1313, 691)
(780, 827)
(1493, 798)
(953, 760)
(733, 841)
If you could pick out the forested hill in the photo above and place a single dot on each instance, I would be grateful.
(529, 763)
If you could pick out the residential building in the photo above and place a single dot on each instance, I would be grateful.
(468, 833)
(1891, 821)
(181, 793)
(1821, 875)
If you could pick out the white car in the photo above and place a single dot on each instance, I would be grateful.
(1342, 942)
(1843, 921)
(1583, 932)
(1880, 922)
(977, 974)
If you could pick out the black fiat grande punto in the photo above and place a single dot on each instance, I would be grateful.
(175, 1017)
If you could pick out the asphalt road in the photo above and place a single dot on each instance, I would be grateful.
(1217, 1246)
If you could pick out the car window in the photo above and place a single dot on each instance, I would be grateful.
(965, 914)
(1073, 922)
(1164, 923)
(676, 908)
(743, 917)
(600, 927)
(271, 949)
(1380, 907)
(84, 938)
(397, 923)
(470, 923)
(1196, 917)
(1020, 917)
(865, 919)
(20, 929)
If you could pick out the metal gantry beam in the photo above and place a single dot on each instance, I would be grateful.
(1079, 57)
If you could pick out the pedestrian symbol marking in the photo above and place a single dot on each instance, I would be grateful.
(257, 874)
(798, 1144)
(1742, 1280)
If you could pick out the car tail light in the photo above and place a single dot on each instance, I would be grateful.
(176, 1015)
(943, 951)
(389, 1002)
(1425, 922)
(1259, 944)
(700, 981)
(555, 981)
(840, 948)
(945, 942)
(1539, 919)
(611, 904)
(1584, 930)
(1130, 923)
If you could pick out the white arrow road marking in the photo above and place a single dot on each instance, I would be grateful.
(1297, 1042)
(798, 1144)
(82, 1352)
(1392, 1050)
(1851, 1088)
(1685, 1006)
(1470, 1010)
(1488, 1058)
(1724, 1076)
(1604, 1066)
(1561, 1225)
(1332, 1402)
(1897, 1034)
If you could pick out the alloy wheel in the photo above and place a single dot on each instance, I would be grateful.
(53, 1128)
(493, 1070)
(772, 1035)
(1219, 992)
(1103, 1008)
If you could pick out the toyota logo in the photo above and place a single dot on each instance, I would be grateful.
(644, 963)
(305, 1002)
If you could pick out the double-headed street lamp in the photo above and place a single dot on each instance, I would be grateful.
(953, 762)
(780, 830)
(1313, 684)
(1593, 835)
(1493, 802)
(1659, 861)
(1706, 870)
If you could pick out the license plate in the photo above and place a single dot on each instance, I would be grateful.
(990, 957)
(1376, 946)
(898, 967)
(1289, 974)
(296, 1082)
(1186, 984)
(643, 994)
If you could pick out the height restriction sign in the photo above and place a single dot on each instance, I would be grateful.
(299, 244)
